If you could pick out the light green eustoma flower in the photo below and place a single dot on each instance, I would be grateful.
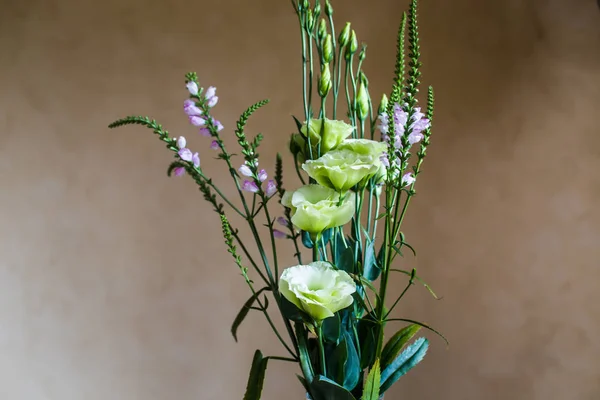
(315, 208)
(318, 289)
(334, 132)
(352, 163)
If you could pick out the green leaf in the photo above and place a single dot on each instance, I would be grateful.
(408, 359)
(256, 377)
(244, 311)
(344, 364)
(422, 325)
(307, 240)
(371, 270)
(371, 390)
(326, 389)
(332, 328)
(305, 365)
(366, 328)
(396, 343)
(290, 311)
(346, 260)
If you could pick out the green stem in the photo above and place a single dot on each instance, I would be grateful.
(322, 350)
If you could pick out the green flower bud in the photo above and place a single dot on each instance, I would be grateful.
(315, 208)
(310, 21)
(328, 8)
(334, 132)
(342, 169)
(318, 8)
(305, 5)
(345, 35)
(383, 105)
(298, 147)
(322, 29)
(353, 42)
(363, 53)
(328, 49)
(325, 81)
(362, 98)
(318, 289)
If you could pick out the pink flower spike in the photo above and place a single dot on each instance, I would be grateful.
(249, 186)
(181, 142)
(212, 101)
(262, 175)
(283, 222)
(185, 154)
(278, 234)
(215, 145)
(210, 92)
(245, 170)
(196, 120)
(192, 87)
(271, 188)
(408, 179)
(205, 132)
(196, 160)
(179, 171)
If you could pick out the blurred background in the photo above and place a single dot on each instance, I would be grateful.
(114, 280)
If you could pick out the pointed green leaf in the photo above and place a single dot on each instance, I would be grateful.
(371, 390)
(256, 377)
(371, 270)
(409, 273)
(327, 389)
(394, 346)
(421, 324)
(410, 357)
(332, 328)
(244, 311)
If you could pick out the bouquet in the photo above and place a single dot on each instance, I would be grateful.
(357, 163)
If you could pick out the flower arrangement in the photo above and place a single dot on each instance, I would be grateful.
(357, 174)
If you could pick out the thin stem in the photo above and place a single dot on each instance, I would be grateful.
(322, 350)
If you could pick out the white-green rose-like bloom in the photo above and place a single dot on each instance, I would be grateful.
(345, 167)
(318, 289)
(315, 208)
(365, 147)
(334, 132)
(370, 148)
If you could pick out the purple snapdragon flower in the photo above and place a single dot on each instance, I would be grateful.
(278, 234)
(185, 154)
(271, 188)
(192, 87)
(250, 186)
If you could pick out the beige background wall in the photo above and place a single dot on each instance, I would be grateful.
(115, 284)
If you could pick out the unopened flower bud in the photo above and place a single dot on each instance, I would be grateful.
(322, 29)
(325, 81)
(328, 8)
(383, 105)
(363, 53)
(304, 4)
(362, 98)
(328, 49)
(345, 35)
(318, 8)
(310, 21)
(353, 42)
